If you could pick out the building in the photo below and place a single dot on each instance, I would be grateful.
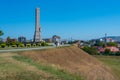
(111, 48)
(37, 34)
(11, 40)
(109, 40)
(56, 39)
(22, 39)
(64, 41)
(48, 40)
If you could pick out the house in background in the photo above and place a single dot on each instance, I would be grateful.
(56, 39)
(111, 48)
(48, 40)
(109, 40)
(22, 39)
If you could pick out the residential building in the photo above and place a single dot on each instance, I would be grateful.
(56, 39)
(22, 39)
(48, 40)
(111, 48)
(109, 40)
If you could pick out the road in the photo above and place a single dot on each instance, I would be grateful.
(27, 49)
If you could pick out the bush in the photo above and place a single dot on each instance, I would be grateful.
(38, 44)
(13, 45)
(112, 44)
(44, 44)
(90, 50)
(3, 45)
(34, 44)
(102, 44)
(7, 44)
(21, 45)
(28, 45)
(107, 52)
(117, 54)
(18, 44)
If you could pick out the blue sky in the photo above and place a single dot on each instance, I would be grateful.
(79, 19)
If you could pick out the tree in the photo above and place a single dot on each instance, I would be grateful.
(44, 44)
(8, 39)
(90, 50)
(112, 44)
(1, 33)
(102, 44)
(107, 52)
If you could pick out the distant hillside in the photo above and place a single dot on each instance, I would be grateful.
(72, 60)
(116, 38)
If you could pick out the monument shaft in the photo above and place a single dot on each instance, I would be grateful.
(37, 34)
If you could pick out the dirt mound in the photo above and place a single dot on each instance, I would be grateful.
(73, 60)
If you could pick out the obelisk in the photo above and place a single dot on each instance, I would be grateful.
(37, 34)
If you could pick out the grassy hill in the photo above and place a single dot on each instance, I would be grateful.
(113, 62)
(64, 63)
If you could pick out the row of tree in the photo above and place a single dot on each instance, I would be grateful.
(94, 51)
(18, 44)
(13, 43)
(103, 44)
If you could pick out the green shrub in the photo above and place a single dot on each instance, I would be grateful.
(7, 44)
(28, 45)
(44, 44)
(3, 45)
(112, 44)
(18, 44)
(13, 45)
(90, 50)
(38, 44)
(21, 45)
(107, 52)
(34, 44)
(117, 54)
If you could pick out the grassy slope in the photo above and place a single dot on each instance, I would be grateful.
(61, 74)
(113, 62)
(28, 66)
(16, 67)
(11, 69)
(72, 60)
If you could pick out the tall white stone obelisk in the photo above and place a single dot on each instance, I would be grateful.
(37, 34)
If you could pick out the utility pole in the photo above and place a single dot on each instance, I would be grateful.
(105, 39)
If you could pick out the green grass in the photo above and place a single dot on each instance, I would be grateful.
(25, 75)
(63, 75)
(11, 71)
(8, 66)
(7, 48)
(113, 62)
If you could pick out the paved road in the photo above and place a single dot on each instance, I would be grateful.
(26, 49)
